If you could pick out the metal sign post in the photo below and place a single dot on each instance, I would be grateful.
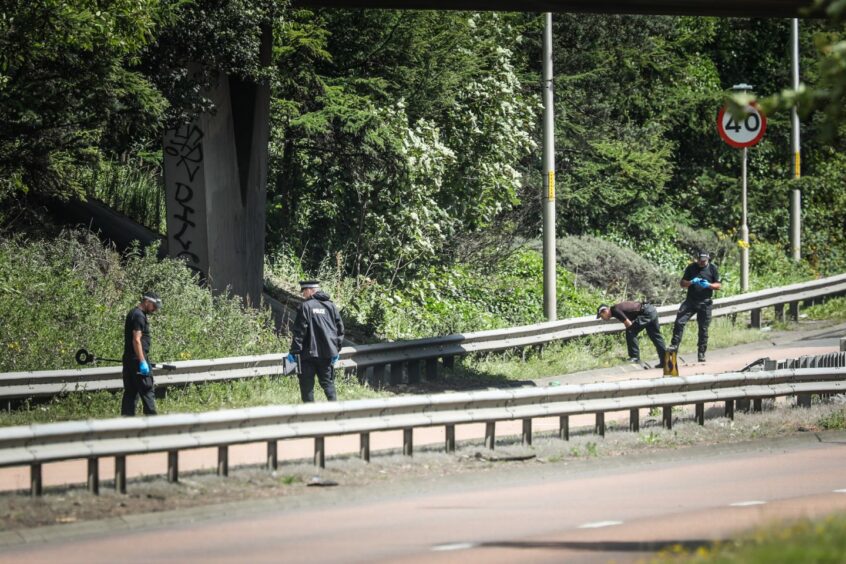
(550, 307)
(742, 134)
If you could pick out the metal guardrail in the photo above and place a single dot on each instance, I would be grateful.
(417, 358)
(35, 445)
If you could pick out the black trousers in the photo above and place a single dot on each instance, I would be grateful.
(648, 319)
(134, 386)
(702, 311)
(322, 368)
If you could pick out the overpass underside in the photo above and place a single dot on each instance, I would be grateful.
(726, 8)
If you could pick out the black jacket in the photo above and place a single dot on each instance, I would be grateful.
(318, 328)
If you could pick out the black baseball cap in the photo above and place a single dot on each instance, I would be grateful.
(152, 297)
(704, 255)
(599, 310)
(305, 284)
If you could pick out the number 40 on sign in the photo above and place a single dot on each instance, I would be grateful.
(743, 132)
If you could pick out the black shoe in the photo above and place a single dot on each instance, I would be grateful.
(701, 357)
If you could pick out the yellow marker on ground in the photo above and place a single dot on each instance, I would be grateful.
(671, 363)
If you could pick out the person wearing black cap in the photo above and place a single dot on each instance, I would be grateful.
(701, 279)
(636, 316)
(137, 376)
(318, 334)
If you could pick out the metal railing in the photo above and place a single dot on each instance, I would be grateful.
(35, 445)
(413, 360)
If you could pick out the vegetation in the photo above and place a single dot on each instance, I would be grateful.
(822, 541)
(403, 167)
(59, 295)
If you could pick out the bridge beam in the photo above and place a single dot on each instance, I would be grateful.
(729, 8)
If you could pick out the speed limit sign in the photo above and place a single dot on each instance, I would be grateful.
(743, 132)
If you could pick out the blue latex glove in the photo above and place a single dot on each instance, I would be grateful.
(291, 358)
(704, 283)
(335, 359)
(695, 280)
(144, 368)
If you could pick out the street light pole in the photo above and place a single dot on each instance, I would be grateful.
(795, 194)
(548, 197)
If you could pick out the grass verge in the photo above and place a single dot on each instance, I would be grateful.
(802, 541)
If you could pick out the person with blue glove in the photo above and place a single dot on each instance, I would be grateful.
(701, 279)
(317, 340)
(137, 375)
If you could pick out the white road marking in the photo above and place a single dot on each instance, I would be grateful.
(840, 491)
(453, 546)
(746, 503)
(599, 524)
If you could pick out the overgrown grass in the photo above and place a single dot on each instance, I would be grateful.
(57, 296)
(834, 310)
(806, 541)
(134, 189)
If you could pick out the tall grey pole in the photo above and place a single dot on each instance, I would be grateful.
(744, 231)
(795, 194)
(548, 196)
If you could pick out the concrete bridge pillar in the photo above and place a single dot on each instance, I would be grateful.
(215, 172)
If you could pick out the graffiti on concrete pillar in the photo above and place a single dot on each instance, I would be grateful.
(186, 209)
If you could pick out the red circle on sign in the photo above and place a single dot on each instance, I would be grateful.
(742, 141)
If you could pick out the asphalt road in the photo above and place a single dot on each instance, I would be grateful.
(620, 511)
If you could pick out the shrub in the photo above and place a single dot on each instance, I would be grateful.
(72, 292)
(621, 272)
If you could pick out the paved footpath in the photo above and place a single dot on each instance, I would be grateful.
(780, 345)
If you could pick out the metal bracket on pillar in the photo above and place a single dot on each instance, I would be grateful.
(450, 438)
(634, 420)
(431, 369)
(490, 435)
(272, 455)
(408, 442)
(564, 427)
(120, 474)
(173, 466)
(223, 460)
(599, 428)
(793, 309)
(755, 319)
(378, 375)
(668, 416)
(413, 367)
(319, 452)
(364, 446)
(35, 480)
(730, 409)
(395, 373)
(527, 431)
(778, 310)
(700, 413)
(94, 475)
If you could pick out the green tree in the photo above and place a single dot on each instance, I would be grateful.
(66, 83)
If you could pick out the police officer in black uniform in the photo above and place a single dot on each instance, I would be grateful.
(701, 280)
(318, 334)
(636, 316)
(137, 371)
